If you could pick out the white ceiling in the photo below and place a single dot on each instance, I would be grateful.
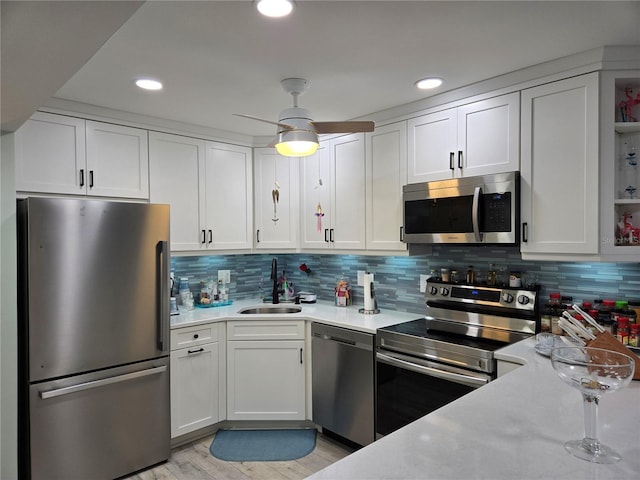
(218, 58)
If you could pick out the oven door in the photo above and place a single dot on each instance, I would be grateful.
(408, 388)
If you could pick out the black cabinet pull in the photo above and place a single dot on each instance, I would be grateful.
(451, 155)
(525, 232)
(300, 356)
(195, 335)
(204, 237)
(326, 231)
(331, 239)
(200, 350)
(82, 177)
(258, 236)
(90, 178)
(459, 158)
(210, 236)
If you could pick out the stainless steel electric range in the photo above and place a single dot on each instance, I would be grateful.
(424, 364)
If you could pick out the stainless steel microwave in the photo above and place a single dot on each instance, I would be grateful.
(473, 210)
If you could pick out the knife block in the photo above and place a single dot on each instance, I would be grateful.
(607, 341)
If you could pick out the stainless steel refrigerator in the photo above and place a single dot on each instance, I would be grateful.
(93, 313)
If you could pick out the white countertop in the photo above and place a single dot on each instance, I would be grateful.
(512, 428)
(323, 312)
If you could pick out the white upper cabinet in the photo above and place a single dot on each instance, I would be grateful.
(67, 155)
(228, 198)
(479, 138)
(276, 199)
(174, 178)
(333, 213)
(559, 175)
(50, 155)
(209, 188)
(386, 173)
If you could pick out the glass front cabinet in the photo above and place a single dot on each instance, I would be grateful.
(620, 172)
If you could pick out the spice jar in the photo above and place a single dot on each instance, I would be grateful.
(634, 335)
(604, 314)
(622, 332)
(555, 312)
(635, 306)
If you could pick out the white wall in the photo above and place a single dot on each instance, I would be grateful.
(8, 314)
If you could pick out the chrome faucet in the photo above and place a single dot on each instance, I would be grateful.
(275, 295)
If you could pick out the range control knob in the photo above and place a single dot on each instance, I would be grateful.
(444, 291)
(507, 298)
(433, 290)
(523, 300)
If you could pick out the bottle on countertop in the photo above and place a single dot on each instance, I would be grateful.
(492, 276)
(471, 275)
(635, 306)
(554, 308)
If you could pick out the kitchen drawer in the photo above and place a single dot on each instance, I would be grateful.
(197, 335)
(265, 330)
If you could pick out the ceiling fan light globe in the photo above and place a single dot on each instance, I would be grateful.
(275, 8)
(297, 143)
(299, 148)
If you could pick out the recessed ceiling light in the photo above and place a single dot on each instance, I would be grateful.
(428, 83)
(149, 84)
(275, 8)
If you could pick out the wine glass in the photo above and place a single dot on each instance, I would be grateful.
(593, 371)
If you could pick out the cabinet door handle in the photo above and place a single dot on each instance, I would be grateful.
(460, 159)
(525, 232)
(301, 356)
(200, 350)
(82, 177)
(204, 237)
(210, 236)
(451, 155)
(258, 236)
(90, 178)
(326, 231)
(331, 239)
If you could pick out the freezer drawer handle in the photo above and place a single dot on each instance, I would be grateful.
(100, 383)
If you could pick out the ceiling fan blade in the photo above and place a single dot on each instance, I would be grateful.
(272, 143)
(343, 127)
(282, 125)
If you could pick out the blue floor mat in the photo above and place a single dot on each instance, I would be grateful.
(262, 445)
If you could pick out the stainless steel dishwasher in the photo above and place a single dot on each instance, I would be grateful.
(343, 382)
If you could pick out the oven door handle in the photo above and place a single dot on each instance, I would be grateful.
(433, 372)
(475, 214)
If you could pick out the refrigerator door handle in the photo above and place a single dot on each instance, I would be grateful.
(162, 292)
(99, 383)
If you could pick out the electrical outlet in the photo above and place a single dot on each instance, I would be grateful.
(361, 278)
(423, 283)
(224, 275)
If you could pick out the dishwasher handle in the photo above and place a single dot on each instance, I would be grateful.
(349, 338)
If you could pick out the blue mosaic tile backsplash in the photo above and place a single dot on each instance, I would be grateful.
(397, 277)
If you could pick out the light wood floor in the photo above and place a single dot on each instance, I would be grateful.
(194, 462)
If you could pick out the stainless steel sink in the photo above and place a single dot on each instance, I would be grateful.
(272, 310)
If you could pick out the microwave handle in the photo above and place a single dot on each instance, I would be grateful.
(476, 214)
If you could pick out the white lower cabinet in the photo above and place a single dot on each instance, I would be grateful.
(266, 370)
(197, 377)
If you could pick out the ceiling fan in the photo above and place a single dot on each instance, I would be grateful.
(297, 134)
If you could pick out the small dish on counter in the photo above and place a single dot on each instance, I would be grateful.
(215, 303)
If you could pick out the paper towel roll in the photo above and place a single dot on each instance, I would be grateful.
(369, 297)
